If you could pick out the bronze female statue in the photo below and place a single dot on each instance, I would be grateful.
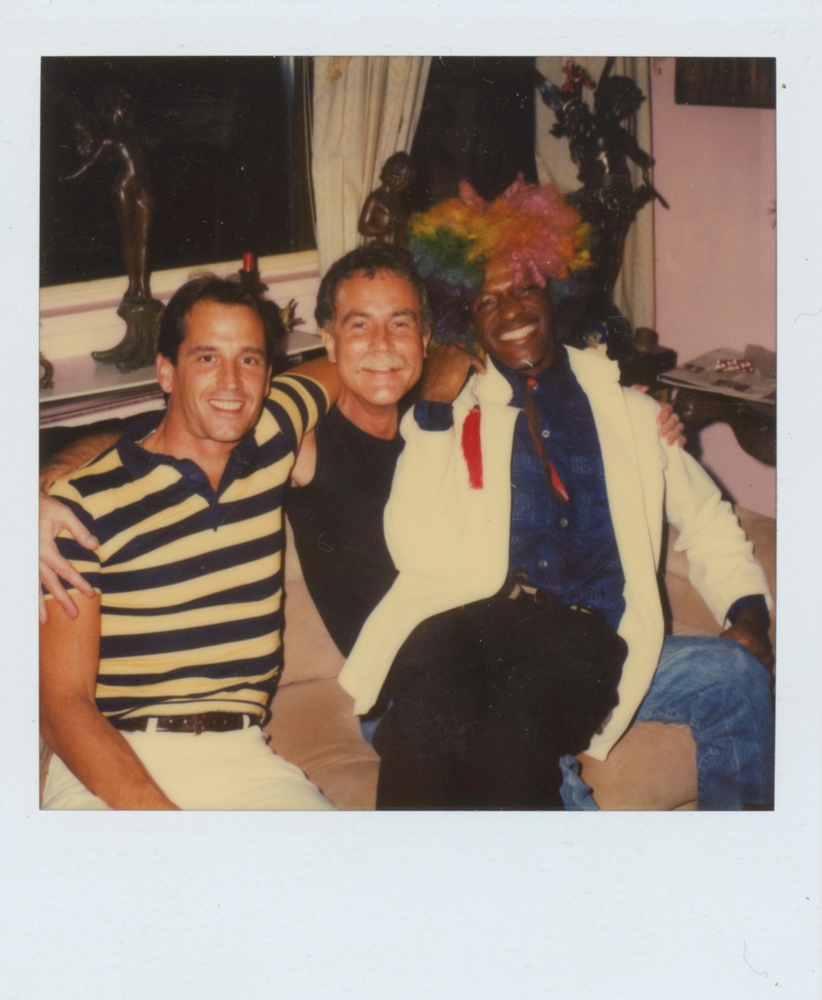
(132, 195)
(112, 136)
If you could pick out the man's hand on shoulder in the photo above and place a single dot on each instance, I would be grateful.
(750, 629)
(670, 426)
(54, 518)
(446, 368)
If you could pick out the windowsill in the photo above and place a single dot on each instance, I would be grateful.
(79, 318)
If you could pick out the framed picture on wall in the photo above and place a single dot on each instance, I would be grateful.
(738, 83)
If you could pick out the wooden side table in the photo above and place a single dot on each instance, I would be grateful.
(734, 388)
(753, 424)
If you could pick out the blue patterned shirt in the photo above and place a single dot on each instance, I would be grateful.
(567, 550)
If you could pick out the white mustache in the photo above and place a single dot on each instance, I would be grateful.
(382, 362)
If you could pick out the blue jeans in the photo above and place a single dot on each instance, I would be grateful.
(722, 691)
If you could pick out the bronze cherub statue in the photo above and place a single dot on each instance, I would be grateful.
(384, 216)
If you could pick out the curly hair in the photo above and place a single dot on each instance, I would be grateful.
(542, 237)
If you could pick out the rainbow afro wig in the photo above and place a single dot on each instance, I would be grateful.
(544, 239)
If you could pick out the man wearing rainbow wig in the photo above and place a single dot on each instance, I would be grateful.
(526, 522)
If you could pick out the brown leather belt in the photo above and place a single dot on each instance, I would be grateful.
(203, 722)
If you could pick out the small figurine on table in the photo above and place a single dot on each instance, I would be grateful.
(384, 217)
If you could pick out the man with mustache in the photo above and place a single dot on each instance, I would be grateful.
(375, 320)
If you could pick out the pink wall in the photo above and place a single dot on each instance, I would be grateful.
(716, 251)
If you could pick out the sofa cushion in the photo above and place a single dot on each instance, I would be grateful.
(313, 725)
(309, 651)
(652, 767)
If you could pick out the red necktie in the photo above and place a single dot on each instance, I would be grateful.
(555, 485)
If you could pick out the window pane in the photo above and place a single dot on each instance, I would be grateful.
(223, 141)
(477, 124)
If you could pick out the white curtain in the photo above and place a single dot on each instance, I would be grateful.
(634, 291)
(365, 109)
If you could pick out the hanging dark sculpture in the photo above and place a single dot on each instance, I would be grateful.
(600, 146)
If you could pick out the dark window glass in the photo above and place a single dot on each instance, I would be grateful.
(224, 141)
(477, 124)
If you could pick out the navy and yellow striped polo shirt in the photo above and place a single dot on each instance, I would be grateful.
(190, 579)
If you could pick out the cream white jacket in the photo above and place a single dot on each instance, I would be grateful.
(450, 542)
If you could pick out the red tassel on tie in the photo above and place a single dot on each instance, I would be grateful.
(472, 449)
(555, 485)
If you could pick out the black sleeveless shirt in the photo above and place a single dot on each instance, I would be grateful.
(338, 525)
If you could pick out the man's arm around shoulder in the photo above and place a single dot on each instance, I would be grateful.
(56, 517)
(319, 370)
(70, 721)
(72, 456)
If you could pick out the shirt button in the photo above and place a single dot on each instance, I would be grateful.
(564, 522)
(542, 564)
(546, 433)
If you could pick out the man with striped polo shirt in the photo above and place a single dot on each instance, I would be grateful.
(153, 696)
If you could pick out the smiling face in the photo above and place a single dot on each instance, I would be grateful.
(514, 322)
(217, 387)
(377, 341)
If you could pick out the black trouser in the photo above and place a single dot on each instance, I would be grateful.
(486, 698)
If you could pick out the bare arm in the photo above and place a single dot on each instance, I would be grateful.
(73, 726)
(325, 372)
(306, 464)
(446, 369)
(55, 517)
